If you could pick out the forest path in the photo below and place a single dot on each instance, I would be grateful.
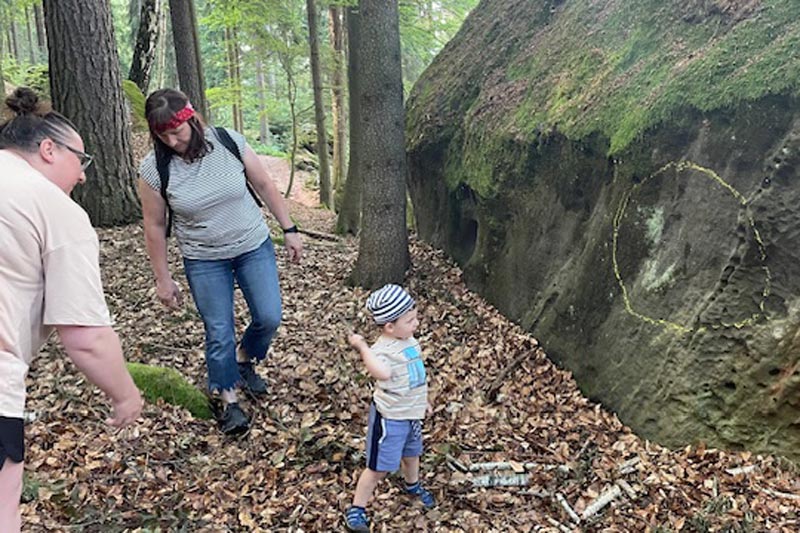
(278, 169)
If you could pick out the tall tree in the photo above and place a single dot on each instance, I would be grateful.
(144, 50)
(187, 52)
(383, 244)
(41, 37)
(349, 218)
(82, 47)
(165, 64)
(287, 64)
(336, 35)
(234, 77)
(325, 192)
(264, 135)
(13, 46)
(29, 33)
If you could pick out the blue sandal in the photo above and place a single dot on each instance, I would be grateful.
(355, 519)
(424, 495)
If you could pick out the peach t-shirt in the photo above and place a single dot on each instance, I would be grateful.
(49, 273)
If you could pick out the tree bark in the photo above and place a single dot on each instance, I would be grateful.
(12, 39)
(41, 36)
(187, 52)
(325, 194)
(336, 34)
(291, 94)
(82, 47)
(349, 218)
(263, 123)
(231, 78)
(383, 246)
(29, 31)
(144, 50)
(237, 73)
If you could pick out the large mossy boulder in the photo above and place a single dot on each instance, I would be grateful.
(623, 179)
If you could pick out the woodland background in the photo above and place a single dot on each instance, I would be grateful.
(250, 65)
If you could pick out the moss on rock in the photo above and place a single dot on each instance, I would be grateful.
(168, 384)
(613, 68)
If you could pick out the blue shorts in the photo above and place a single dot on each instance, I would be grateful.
(388, 441)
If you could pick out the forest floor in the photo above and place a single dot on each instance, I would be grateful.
(496, 397)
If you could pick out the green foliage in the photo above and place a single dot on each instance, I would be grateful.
(23, 75)
(168, 384)
(30, 488)
(272, 150)
(424, 30)
(136, 100)
(124, 28)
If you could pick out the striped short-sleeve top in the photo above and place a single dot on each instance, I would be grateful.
(214, 215)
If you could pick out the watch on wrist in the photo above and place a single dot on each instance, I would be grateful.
(292, 229)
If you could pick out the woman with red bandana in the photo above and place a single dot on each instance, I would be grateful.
(200, 179)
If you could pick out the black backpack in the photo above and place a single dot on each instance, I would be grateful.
(162, 165)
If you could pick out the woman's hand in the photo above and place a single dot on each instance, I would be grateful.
(169, 294)
(127, 410)
(294, 245)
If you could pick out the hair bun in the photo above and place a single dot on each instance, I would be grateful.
(23, 101)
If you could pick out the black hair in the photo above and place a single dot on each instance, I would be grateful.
(32, 121)
(159, 109)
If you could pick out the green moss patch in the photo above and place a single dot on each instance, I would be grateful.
(168, 384)
(612, 68)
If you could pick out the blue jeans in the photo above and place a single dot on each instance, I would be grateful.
(211, 283)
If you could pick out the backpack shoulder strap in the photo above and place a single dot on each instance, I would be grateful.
(228, 142)
(162, 166)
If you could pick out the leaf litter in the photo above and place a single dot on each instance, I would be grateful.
(496, 397)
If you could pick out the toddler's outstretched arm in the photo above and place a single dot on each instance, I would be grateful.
(376, 368)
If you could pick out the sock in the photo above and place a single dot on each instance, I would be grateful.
(413, 487)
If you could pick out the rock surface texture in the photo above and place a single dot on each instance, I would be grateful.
(623, 179)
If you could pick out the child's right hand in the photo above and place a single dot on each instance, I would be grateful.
(356, 340)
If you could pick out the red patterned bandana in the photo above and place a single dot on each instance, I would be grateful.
(177, 119)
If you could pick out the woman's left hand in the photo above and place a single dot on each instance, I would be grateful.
(294, 245)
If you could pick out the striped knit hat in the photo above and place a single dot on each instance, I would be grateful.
(389, 303)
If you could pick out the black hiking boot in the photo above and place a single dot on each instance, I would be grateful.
(252, 382)
(234, 421)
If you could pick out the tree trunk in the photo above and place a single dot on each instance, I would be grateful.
(187, 52)
(383, 246)
(29, 31)
(325, 193)
(41, 36)
(291, 93)
(164, 45)
(336, 34)
(82, 47)
(237, 78)
(144, 50)
(12, 39)
(349, 218)
(231, 78)
(263, 124)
